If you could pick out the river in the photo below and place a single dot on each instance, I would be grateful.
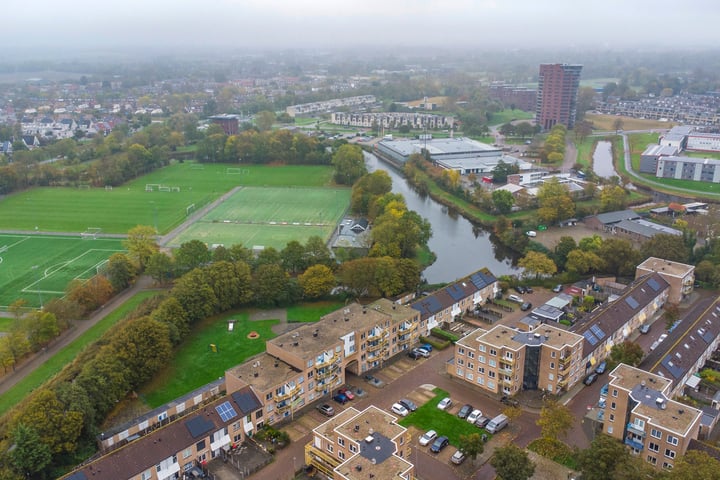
(460, 247)
(603, 160)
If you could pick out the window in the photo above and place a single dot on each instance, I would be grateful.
(341, 455)
(667, 466)
(669, 453)
(460, 361)
(481, 370)
(460, 372)
(610, 430)
(653, 447)
(330, 448)
(481, 381)
(551, 376)
(461, 351)
(469, 376)
(341, 441)
(652, 460)
(146, 475)
(471, 354)
(200, 445)
(614, 392)
(612, 417)
(639, 423)
(481, 358)
(268, 396)
(493, 352)
(491, 374)
(353, 448)
(258, 414)
(656, 433)
(470, 365)
(492, 363)
(552, 354)
(672, 440)
(482, 348)
(491, 385)
(612, 405)
(187, 452)
(552, 365)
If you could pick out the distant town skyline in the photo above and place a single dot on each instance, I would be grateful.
(266, 24)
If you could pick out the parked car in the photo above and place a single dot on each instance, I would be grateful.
(444, 403)
(399, 409)
(515, 298)
(590, 379)
(341, 399)
(474, 416)
(414, 355)
(557, 288)
(645, 328)
(439, 444)
(528, 289)
(497, 423)
(526, 306)
(326, 410)
(600, 369)
(428, 437)
(531, 233)
(465, 411)
(408, 404)
(426, 346)
(347, 393)
(482, 422)
(422, 352)
(520, 289)
(509, 401)
(604, 390)
(458, 457)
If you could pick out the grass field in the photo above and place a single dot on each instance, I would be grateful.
(39, 267)
(67, 354)
(505, 116)
(6, 323)
(310, 312)
(118, 210)
(605, 123)
(195, 364)
(270, 217)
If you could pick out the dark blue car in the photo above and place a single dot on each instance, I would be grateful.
(341, 398)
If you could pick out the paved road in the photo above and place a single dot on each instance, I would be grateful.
(79, 327)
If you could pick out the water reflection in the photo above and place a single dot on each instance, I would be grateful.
(460, 247)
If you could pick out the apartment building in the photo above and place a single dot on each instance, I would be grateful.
(309, 362)
(680, 276)
(392, 120)
(511, 95)
(689, 168)
(613, 322)
(703, 142)
(557, 95)
(330, 105)
(505, 361)
(447, 303)
(640, 413)
(356, 445)
(184, 445)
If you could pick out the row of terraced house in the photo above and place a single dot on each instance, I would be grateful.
(298, 368)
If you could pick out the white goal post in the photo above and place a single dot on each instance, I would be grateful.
(190, 208)
(234, 171)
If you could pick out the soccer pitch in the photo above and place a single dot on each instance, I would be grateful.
(270, 217)
(38, 268)
(162, 199)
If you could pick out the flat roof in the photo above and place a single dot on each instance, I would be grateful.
(439, 146)
(646, 228)
(627, 377)
(270, 371)
(673, 416)
(544, 334)
(666, 267)
(372, 420)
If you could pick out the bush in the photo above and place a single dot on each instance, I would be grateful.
(436, 344)
(443, 334)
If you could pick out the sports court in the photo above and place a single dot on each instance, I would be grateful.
(38, 268)
(270, 216)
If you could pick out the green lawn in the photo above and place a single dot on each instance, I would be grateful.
(38, 277)
(505, 116)
(249, 235)
(585, 149)
(195, 364)
(638, 144)
(429, 417)
(6, 324)
(67, 354)
(191, 186)
(311, 312)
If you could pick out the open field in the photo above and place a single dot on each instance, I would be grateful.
(39, 267)
(67, 354)
(311, 312)
(605, 123)
(507, 115)
(638, 144)
(270, 217)
(195, 364)
(436, 100)
(162, 198)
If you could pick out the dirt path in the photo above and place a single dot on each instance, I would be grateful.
(570, 156)
(78, 328)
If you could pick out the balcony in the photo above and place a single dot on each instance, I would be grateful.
(376, 346)
(319, 387)
(402, 340)
(325, 373)
(631, 442)
(562, 382)
(283, 408)
(565, 361)
(331, 360)
(507, 361)
(376, 335)
(407, 327)
(507, 381)
(289, 392)
(322, 461)
(632, 428)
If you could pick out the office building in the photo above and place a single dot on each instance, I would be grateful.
(557, 95)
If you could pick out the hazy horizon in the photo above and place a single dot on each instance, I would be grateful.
(45, 26)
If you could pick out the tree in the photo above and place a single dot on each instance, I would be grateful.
(230, 282)
(140, 244)
(174, 316)
(555, 420)
(120, 271)
(471, 445)
(618, 125)
(503, 201)
(270, 285)
(160, 267)
(502, 170)
(524, 129)
(696, 464)
(598, 462)
(579, 261)
(264, 120)
(538, 263)
(564, 246)
(349, 164)
(512, 463)
(30, 455)
(613, 198)
(666, 246)
(41, 327)
(619, 256)
(317, 281)
(190, 255)
(13, 347)
(195, 296)
(555, 202)
(293, 256)
(143, 346)
(91, 294)
(629, 353)
(58, 428)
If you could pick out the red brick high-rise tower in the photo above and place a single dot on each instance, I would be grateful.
(557, 94)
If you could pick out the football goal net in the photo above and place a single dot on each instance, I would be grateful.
(189, 209)
(90, 233)
(108, 188)
(233, 171)
(149, 187)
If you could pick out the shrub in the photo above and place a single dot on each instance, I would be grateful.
(436, 344)
(446, 335)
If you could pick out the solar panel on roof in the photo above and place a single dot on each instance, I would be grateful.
(226, 411)
(479, 280)
(455, 292)
(597, 331)
(198, 426)
(652, 283)
(246, 401)
(632, 302)
(590, 338)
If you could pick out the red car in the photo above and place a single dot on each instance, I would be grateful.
(347, 393)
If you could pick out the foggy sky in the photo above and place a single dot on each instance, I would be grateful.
(261, 24)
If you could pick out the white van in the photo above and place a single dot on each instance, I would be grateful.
(497, 423)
